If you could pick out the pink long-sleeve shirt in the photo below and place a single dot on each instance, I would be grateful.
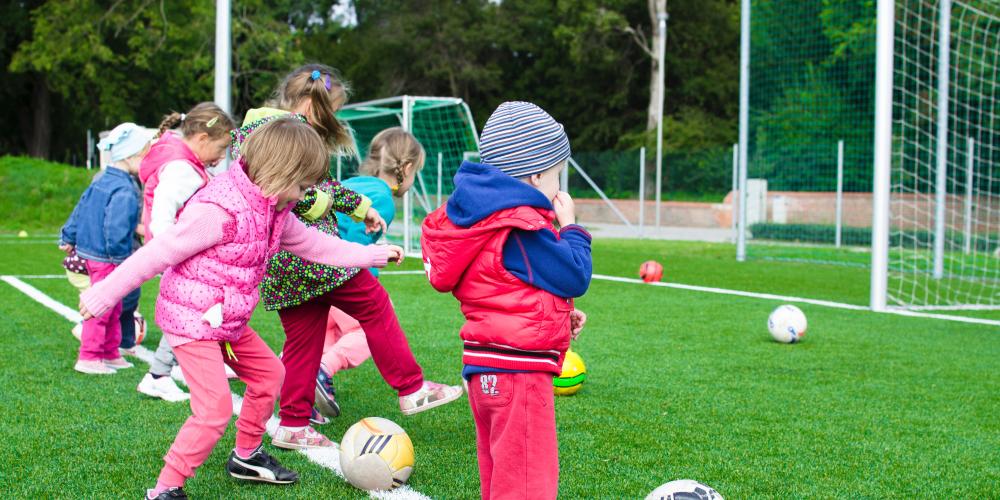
(201, 226)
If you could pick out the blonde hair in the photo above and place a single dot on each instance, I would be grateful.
(326, 92)
(205, 117)
(389, 151)
(282, 153)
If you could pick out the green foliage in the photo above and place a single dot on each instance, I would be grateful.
(38, 195)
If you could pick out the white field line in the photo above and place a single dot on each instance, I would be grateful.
(328, 458)
(801, 300)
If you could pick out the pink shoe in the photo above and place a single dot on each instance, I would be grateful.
(431, 395)
(300, 439)
(93, 367)
(118, 363)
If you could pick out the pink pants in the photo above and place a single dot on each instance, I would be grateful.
(364, 299)
(345, 345)
(102, 334)
(212, 404)
(515, 435)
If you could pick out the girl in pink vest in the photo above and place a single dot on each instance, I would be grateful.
(303, 292)
(175, 168)
(212, 260)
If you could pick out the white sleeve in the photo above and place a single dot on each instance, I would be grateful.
(178, 183)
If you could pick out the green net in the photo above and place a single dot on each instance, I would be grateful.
(811, 111)
(444, 127)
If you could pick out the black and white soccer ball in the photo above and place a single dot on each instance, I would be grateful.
(684, 489)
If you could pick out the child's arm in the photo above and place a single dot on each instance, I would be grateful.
(201, 226)
(67, 236)
(120, 221)
(332, 195)
(312, 245)
(178, 183)
(561, 266)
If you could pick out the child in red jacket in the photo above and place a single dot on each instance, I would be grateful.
(495, 247)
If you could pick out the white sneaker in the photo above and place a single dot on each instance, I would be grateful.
(431, 395)
(118, 364)
(164, 388)
(302, 438)
(93, 367)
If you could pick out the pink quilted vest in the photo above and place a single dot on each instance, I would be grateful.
(170, 147)
(229, 272)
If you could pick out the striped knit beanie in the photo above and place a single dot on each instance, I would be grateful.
(522, 139)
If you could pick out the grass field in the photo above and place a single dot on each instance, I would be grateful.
(682, 384)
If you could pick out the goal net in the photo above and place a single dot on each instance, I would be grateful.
(444, 127)
(945, 177)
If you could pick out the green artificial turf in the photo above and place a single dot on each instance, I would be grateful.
(681, 384)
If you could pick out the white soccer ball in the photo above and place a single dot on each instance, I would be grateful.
(787, 324)
(376, 454)
(684, 489)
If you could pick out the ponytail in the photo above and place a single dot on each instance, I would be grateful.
(170, 121)
(326, 93)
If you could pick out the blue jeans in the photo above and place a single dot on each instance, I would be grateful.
(129, 304)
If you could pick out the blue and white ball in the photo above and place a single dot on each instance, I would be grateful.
(787, 324)
(684, 489)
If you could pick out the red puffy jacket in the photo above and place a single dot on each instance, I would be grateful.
(509, 323)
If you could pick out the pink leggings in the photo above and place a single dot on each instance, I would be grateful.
(102, 334)
(345, 345)
(211, 402)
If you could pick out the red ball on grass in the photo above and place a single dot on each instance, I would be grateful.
(650, 271)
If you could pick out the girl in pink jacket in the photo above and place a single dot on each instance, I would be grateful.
(212, 260)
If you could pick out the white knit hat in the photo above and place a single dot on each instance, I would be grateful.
(125, 140)
(522, 139)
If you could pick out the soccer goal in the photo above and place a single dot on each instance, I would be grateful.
(872, 139)
(444, 127)
(937, 156)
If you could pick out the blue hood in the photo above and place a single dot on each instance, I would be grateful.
(481, 190)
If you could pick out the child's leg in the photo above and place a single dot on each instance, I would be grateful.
(515, 434)
(345, 345)
(163, 359)
(305, 326)
(127, 320)
(100, 331)
(211, 410)
(263, 373)
(363, 298)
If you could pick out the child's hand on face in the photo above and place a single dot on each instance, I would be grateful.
(565, 209)
(577, 319)
(374, 222)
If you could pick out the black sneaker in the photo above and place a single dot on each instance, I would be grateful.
(176, 493)
(259, 467)
(326, 401)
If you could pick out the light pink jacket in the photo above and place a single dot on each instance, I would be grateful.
(219, 251)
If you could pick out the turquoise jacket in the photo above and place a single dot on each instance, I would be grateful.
(381, 195)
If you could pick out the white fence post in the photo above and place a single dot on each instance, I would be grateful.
(744, 119)
(941, 188)
(840, 191)
(734, 202)
(338, 168)
(642, 190)
(884, 39)
(970, 149)
(440, 171)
